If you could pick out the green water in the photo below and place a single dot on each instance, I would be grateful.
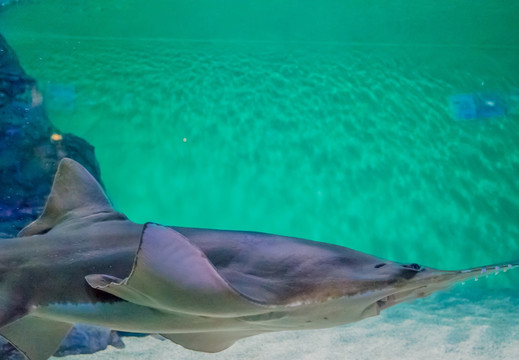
(326, 121)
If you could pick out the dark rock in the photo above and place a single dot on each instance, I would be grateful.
(30, 150)
(30, 147)
(8, 352)
(88, 339)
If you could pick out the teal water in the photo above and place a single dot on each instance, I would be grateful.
(327, 122)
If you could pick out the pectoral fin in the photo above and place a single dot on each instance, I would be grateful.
(117, 287)
(35, 337)
(172, 275)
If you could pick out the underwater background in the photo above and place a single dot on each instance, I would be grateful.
(330, 120)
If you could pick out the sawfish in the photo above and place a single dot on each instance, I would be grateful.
(82, 261)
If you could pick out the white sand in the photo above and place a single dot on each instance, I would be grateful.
(457, 325)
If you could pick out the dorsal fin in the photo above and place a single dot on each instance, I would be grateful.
(75, 192)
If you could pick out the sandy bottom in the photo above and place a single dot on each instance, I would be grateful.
(457, 325)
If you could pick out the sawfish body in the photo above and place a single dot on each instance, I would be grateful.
(83, 262)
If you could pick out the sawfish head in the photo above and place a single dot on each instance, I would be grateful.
(415, 281)
(316, 285)
(363, 292)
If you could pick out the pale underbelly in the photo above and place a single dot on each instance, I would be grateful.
(125, 316)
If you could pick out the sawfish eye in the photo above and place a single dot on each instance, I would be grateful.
(412, 266)
(379, 265)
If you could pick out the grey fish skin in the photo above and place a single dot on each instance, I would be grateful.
(83, 262)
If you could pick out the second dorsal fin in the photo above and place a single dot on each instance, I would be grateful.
(75, 192)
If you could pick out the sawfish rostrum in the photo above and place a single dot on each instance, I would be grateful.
(83, 262)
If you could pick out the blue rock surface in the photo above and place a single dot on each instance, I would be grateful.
(85, 339)
(477, 106)
(30, 149)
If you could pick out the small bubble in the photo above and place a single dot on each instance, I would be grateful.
(476, 279)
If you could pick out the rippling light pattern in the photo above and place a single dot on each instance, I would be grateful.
(347, 143)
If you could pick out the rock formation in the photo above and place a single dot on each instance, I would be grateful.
(30, 149)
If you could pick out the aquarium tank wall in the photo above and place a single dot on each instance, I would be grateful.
(386, 127)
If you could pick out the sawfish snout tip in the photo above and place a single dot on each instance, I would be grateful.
(485, 271)
(445, 278)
